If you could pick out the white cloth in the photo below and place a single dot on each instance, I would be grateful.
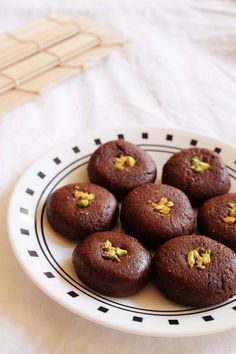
(179, 71)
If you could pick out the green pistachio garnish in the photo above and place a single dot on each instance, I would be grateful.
(198, 165)
(120, 252)
(206, 257)
(84, 198)
(199, 258)
(106, 245)
(163, 207)
(191, 259)
(232, 206)
(113, 253)
(231, 218)
(124, 162)
(83, 203)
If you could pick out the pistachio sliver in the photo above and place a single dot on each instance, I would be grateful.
(169, 204)
(106, 245)
(157, 206)
(120, 252)
(163, 201)
(232, 208)
(163, 207)
(84, 198)
(199, 258)
(231, 218)
(124, 162)
(164, 211)
(206, 259)
(130, 161)
(119, 166)
(191, 259)
(200, 266)
(197, 255)
(91, 196)
(198, 166)
(112, 253)
(232, 205)
(83, 203)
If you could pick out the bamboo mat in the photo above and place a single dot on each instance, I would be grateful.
(47, 52)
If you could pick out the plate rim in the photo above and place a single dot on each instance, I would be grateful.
(61, 145)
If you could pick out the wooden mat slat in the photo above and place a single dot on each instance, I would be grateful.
(71, 52)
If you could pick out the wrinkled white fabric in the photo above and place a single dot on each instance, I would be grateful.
(179, 71)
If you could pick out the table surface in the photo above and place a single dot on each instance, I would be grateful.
(179, 71)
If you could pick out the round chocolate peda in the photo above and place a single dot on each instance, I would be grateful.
(121, 166)
(80, 209)
(217, 219)
(200, 173)
(154, 213)
(194, 281)
(98, 264)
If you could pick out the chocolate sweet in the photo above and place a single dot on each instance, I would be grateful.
(112, 263)
(154, 213)
(80, 209)
(200, 173)
(195, 270)
(217, 219)
(121, 166)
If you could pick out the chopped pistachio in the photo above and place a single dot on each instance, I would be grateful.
(106, 245)
(130, 161)
(91, 196)
(158, 207)
(163, 201)
(84, 198)
(83, 203)
(232, 205)
(110, 254)
(198, 166)
(199, 258)
(231, 218)
(120, 252)
(200, 266)
(165, 210)
(113, 253)
(124, 162)
(163, 207)
(206, 257)
(190, 258)
(170, 204)
(119, 166)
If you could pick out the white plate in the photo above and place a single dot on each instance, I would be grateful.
(46, 256)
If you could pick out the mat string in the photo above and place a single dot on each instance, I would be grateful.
(61, 23)
(13, 79)
(63, 63)
(14, 84)
(65, 23)
(79, 28)
(25, 41)
(40, 49)
(39, 45)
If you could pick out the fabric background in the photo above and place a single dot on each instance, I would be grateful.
(179, 71)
